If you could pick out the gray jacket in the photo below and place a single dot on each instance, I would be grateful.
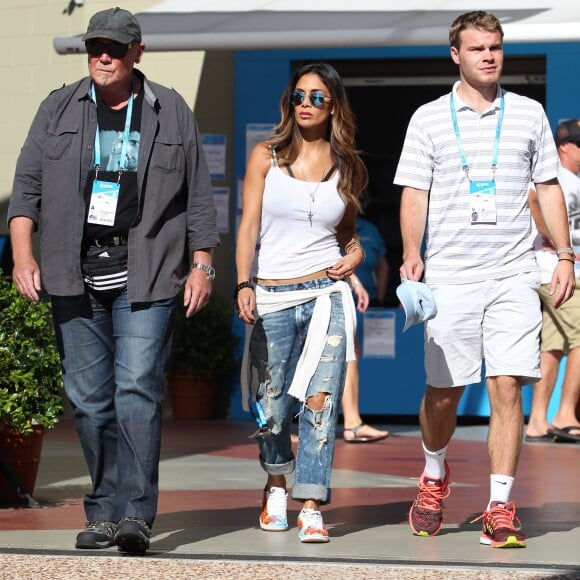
(176, 213)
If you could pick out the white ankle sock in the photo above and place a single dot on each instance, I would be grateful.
(435, 462)
(500, 487)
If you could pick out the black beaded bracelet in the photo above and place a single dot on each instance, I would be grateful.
(241, 286)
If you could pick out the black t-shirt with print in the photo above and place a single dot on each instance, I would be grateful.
(111, 128)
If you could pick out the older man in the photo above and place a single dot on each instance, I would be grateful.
(113, 172)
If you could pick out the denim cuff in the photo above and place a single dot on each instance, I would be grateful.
(278, 468)
(304, 491)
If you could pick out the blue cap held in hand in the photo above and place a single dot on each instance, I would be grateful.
(417, 301)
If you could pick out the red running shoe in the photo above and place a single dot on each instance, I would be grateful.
(498, 526)
(426, 513)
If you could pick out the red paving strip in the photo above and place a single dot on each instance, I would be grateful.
(68, 515)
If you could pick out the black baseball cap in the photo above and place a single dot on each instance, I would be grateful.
(114, 24)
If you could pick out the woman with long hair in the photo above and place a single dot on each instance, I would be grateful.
(300, 200)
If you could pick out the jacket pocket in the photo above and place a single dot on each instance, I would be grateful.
(59, 143)
(167, 153)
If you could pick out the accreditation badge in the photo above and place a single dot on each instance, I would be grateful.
(103, 204)
(482, 202)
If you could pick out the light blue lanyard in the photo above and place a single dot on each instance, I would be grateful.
(496, 142)
(126, 132)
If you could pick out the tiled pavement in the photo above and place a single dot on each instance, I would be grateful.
(210, 499)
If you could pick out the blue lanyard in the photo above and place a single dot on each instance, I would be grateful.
(496, 142)
(126, 132)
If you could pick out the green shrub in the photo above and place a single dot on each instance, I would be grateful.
(30, 370)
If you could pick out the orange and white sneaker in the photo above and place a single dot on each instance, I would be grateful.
(498, 526)
(311, 528)
(273, 517)
(426, 513)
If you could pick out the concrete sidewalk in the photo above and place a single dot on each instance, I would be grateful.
(211, 496)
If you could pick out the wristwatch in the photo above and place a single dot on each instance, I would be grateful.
(566, 251)
(207, 269)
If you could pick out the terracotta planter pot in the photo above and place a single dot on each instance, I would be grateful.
(21, 455)
(194, 396)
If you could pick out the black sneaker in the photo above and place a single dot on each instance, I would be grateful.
(96, 535)
(132, 536)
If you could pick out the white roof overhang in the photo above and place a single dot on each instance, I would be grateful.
(179, 25)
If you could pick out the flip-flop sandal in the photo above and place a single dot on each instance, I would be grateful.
(360, 439)
(563, 435)
(545, 438)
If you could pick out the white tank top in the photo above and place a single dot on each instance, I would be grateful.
(297, 235)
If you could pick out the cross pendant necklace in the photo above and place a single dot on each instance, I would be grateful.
(312, 194)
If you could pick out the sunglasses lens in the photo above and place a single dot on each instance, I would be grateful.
(114, 49)
(118, 50)
(297, 98)
(317, 99)
(93, 48)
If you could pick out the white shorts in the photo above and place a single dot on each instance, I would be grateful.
(495, 320)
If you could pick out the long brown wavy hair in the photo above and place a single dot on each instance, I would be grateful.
(353, 175)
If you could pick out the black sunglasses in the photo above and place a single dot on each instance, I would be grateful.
(113, 49)
(316, 98)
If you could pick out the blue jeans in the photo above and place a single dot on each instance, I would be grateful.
(113, 356)
(277, 341)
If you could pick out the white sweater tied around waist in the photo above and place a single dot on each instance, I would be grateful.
(268, 302)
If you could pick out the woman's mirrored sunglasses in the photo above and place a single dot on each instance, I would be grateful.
(316, 98)
(113, 49)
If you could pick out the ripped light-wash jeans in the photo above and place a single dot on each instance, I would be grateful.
(277, 341)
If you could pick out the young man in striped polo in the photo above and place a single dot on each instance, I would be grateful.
(466, 166)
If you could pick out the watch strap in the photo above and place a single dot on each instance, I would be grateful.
(207, 269)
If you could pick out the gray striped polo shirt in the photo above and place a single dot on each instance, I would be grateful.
(458, 251)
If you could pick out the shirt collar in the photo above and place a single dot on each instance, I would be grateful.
(459, 104)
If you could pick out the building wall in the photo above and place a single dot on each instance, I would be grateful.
(30, 68)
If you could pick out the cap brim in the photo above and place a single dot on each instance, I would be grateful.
(406, 295)
(114, 35)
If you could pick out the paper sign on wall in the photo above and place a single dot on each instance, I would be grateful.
(214, 147)
(379, 334)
